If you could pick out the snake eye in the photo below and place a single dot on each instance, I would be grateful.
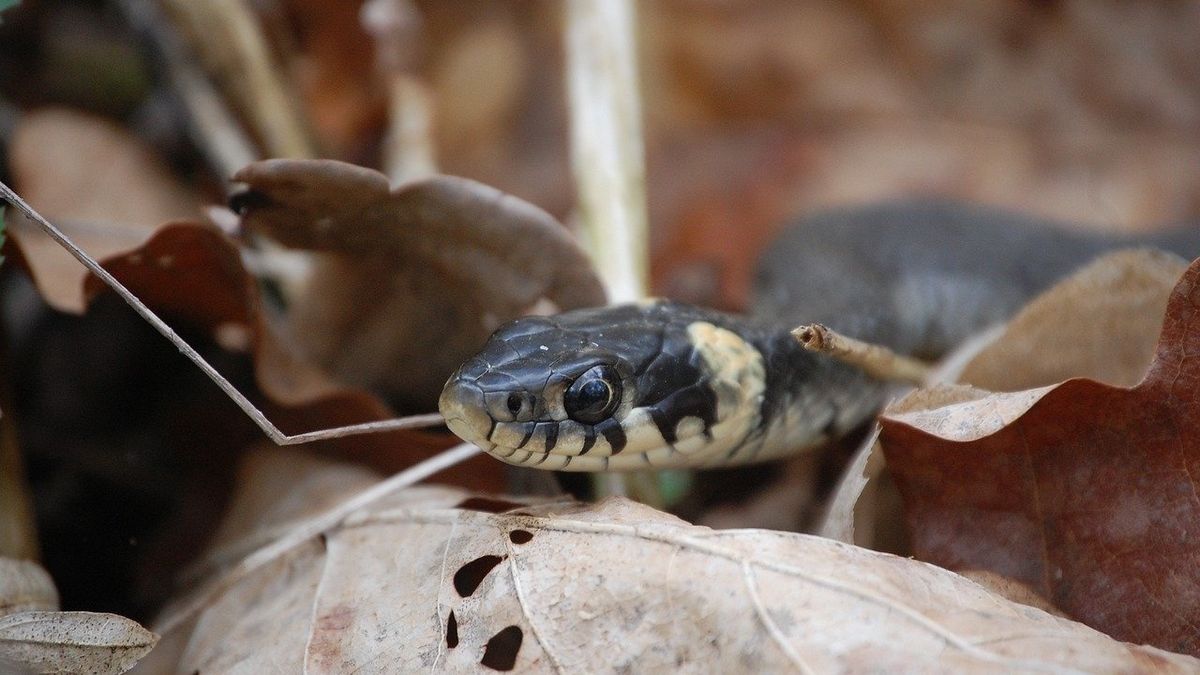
(593, 396)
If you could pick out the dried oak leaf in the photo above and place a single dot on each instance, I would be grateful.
(411, 281)
(438, 579)
(1086, 492)
(35, 637)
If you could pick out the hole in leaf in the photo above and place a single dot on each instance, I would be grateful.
(452, 631)
(487, 505)
(501, 651)
(469, 576)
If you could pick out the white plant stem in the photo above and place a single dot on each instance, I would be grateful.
(607, 153)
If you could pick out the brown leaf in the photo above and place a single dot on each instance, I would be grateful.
(192, 273)
(1084, 491)
(1011, 590)
(104, 186)
(419, 276)
(436, 578)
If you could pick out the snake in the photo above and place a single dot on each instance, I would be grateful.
(663, 384)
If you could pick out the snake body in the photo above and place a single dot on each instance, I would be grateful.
(663, 384)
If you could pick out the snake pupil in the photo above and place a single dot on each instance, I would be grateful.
(593, 396)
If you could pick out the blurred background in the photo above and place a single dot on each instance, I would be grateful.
(754, 111)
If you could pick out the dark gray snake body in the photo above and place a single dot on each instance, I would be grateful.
(663, 384)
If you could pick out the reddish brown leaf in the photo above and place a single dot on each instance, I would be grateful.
(1084, 491)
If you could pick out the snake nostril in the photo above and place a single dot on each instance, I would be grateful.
(509, 406)
(513, 403)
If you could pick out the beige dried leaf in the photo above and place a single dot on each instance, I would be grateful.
(72, 642)
(438, 579)
(1101, 322)
(410, 281)
(851, 503)
(1011, 589)
(35, 638)
(25, 586)
(103, 186)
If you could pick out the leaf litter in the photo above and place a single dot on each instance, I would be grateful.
(503, 640)
(999, 167)
(1082, 490)
(553, 586)
(36, 637)
(1099, 322)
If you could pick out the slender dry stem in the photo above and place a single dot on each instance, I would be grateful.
(607, 153)
(876, 360)
(273, 432)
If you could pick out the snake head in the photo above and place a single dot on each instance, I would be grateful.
(614, 388)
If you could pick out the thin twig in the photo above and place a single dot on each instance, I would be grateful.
(273, 432)
(876, 360)
(313, 527)
(607, 153)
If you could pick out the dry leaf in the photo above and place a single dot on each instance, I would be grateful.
(72, 642)
(36, 638)
(1084, 491)
(25, 586)
(418, 277)
(849, 502)
(1011, 590)
(1101, 322)
(104, 186)
(436, 579)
